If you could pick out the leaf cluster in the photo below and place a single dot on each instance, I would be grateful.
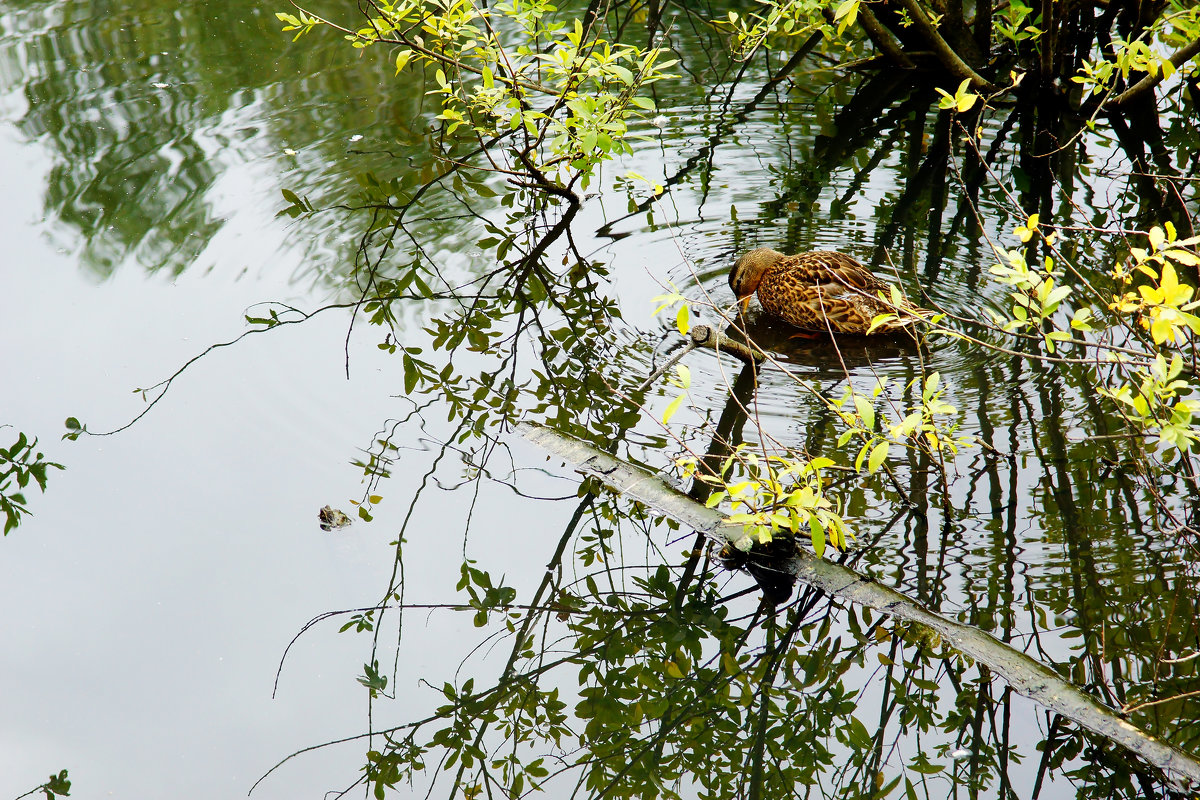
(20, 465)
(513, 68)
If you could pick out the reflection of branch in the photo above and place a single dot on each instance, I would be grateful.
(1024, 674)
(728, 433)
(1178, 59)
(165, 384)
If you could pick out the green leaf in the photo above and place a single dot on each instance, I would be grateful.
(881, 319)
(926, 768)
(818, 535)
(846, 14)
(410, 374)
(865, 410)
(879, 454)
(1056, 296)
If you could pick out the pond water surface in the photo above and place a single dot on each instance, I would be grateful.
(151, 596)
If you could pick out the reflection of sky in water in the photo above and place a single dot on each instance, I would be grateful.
(168, 567)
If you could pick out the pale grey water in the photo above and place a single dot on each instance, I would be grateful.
(151, 596)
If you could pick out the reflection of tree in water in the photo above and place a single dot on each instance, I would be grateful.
(130, 175)
(681, 685)
(144, 108)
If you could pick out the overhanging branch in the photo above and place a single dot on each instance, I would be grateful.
(1178, 59)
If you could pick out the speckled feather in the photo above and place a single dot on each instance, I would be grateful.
(818, 291)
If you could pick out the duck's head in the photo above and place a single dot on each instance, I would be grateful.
(748, 272)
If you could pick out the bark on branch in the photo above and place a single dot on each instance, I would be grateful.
(945, 53)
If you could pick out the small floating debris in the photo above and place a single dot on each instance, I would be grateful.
(332, 518)
(356, 137)
(287, 151)
(161, 85)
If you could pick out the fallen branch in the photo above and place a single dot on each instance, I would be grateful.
(1024, 674)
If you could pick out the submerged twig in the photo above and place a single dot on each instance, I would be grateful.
(704, 336)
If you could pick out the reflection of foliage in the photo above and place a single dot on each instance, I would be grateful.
(140, 129)
(675, 699)
(57, 786)
(20, 465)
(1112, 55)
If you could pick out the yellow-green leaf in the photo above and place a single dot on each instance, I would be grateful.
(1183, 257)
(879, 454)
(402, 59)
(672, 408)
(682, 319)
(1157, 238)
(865, 410)
(880, 319)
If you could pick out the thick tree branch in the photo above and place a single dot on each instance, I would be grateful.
(945, 53)
(880, 36)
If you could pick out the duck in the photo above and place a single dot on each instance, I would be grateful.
(821, 290)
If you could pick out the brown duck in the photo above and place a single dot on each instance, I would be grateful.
(819, 291)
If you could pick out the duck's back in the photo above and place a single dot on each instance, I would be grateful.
(822, 290)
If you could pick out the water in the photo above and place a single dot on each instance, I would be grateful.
(167, 568)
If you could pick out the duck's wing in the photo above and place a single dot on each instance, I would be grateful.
(824, 290)
(832, 272)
